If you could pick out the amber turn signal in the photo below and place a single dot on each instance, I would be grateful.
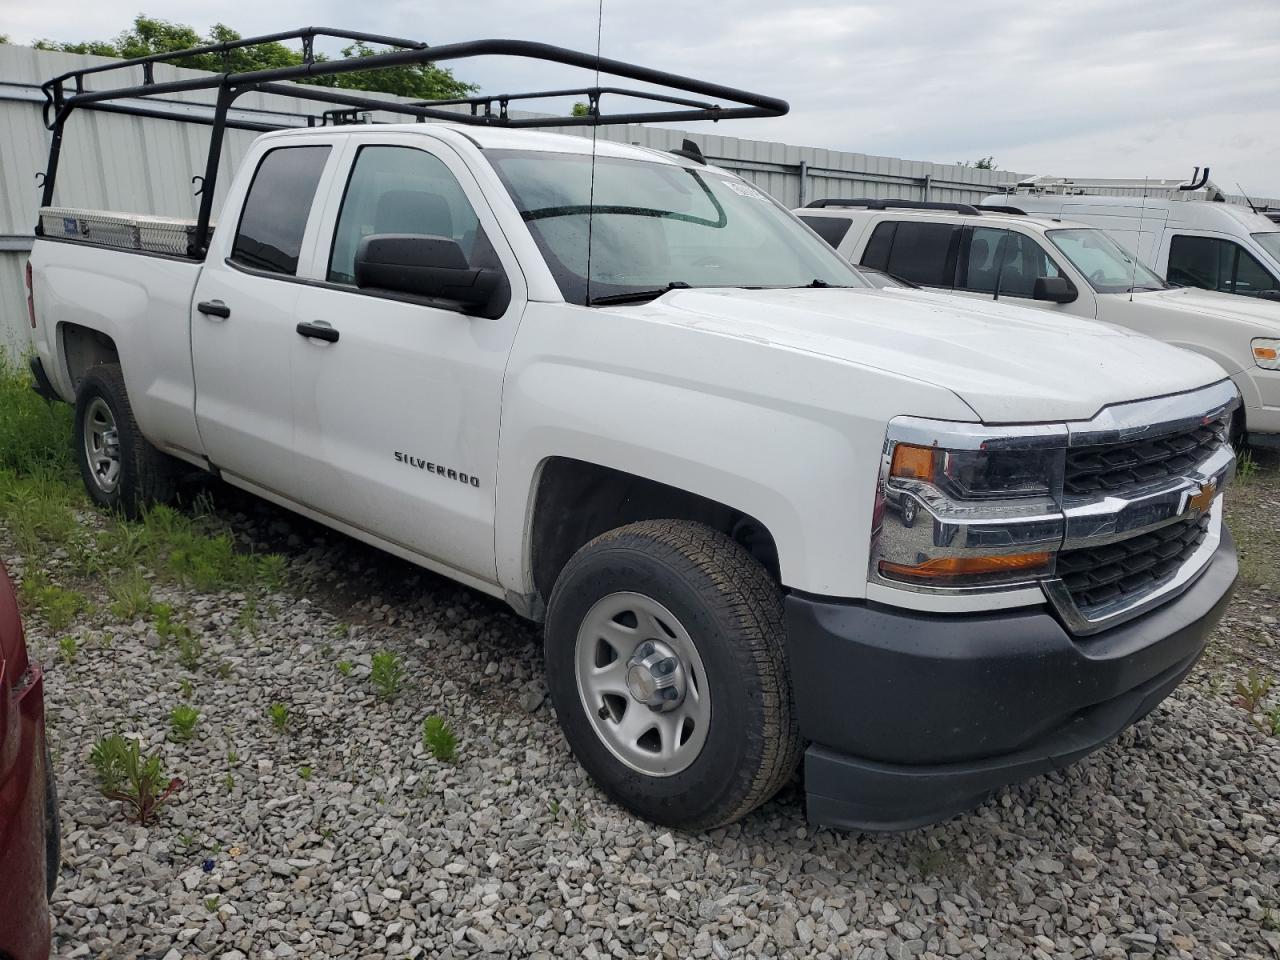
(950, 568)
(912, 462)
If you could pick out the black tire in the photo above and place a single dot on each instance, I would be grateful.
(732, 611)
(52, 827)
(146, 476)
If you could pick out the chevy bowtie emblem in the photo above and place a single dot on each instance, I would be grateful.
(1202, 499)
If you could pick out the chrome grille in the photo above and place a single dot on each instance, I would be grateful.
(1101, 576)
(1116, 468)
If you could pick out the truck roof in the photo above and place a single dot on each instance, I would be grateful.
(986, 218)
(494, 138)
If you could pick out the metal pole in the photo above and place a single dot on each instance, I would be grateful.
(804, 182)
(200, 244)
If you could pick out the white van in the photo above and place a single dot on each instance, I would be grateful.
(1191, 242)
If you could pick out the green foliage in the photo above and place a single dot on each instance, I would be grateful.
(279, 715)
(386, 674)
(186, 688)
(182, 722)
(344, 667)
(1253, 689)
(137, 782)
(982, 163)
(1271, 722)
(1246, 466)
(68, 647)
(151, 35)
(304, 772)
(130, 596)
(211, 903)
(580, 109)
(224, 670)
(57, 605)
(438, 739)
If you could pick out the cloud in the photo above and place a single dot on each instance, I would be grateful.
(1084, 88)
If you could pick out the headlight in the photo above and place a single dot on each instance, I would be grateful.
(965, 506)
(1266, 353)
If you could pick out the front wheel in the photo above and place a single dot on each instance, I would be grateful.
(121, 469)
(666, 661)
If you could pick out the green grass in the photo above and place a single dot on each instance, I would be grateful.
(182, 722)
(42, 502)
(130, 596)
(68, 647)
(438, 739)
(386, 673)
(279, 715)
(56, 605)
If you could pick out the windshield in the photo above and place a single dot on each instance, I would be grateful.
(657, 225)
(1269, 242)
(1107, 266)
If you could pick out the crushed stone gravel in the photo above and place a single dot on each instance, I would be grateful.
(341, 836)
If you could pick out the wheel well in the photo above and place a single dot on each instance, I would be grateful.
(84, 348)
(577, 501)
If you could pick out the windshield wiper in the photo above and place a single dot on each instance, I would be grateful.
(636, 296)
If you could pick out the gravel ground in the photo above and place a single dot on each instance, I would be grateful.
(342, 837)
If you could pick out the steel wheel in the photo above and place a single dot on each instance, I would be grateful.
(642, 684)
(102, 445)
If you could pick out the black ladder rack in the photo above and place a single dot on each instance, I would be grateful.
(60, 101)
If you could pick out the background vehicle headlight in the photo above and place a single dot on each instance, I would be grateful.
(972, 508)
(1266, 353)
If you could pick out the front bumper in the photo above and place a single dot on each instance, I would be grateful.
(914, 717)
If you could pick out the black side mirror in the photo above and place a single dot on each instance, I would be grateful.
(1054, 290)
(431, 267)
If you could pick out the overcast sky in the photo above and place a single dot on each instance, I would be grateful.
(1085, 88)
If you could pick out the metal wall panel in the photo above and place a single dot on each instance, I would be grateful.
(145, 165)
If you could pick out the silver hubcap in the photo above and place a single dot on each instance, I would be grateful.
(102, 445)
(642, 684)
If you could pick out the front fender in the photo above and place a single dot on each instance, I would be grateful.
(791, 438)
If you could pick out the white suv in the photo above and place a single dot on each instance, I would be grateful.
(1063, 267)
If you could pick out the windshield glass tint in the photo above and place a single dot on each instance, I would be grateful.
(656, 224)
(1107, 267)
(1269, 242)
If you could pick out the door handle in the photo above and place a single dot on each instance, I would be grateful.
(318, 331)
(214, 308)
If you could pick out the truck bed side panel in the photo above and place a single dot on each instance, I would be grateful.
(143, 303)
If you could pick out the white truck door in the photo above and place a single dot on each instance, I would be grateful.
(242, 321)
(397, 418)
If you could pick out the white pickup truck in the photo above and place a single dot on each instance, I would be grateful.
(763, 508)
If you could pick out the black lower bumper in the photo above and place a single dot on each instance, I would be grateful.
(914, 717)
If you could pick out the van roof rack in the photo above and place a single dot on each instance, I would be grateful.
(684, 98)
(1001, 208)
(872, 203)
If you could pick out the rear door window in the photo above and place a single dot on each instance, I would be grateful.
(1212, 263)
(921, 252)
(277, 208)
(830, 229)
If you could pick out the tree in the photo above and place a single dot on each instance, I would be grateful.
(151, 35)
(4, 38)
(982, 163)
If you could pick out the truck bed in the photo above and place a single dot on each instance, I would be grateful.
(172, 236)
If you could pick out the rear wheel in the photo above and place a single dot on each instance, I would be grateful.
(121, 469)
(667, 666)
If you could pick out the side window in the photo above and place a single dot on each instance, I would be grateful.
(922, 253)
(1201, 262)
(830, 229)
(276, 209)
(876, 255)
(403, 190)
(979, 271)
(1013, 260)
(1252, 277)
